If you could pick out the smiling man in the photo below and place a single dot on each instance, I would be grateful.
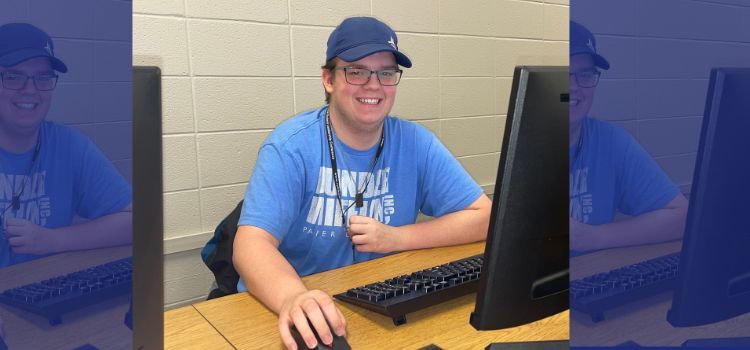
(349, 154)
(610, 172)
(49, 173)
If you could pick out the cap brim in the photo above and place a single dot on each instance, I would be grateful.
(362, 51)
(19, 56)
(599, 61)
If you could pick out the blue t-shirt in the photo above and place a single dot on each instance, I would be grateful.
(292, 196)
(70, 177)
(614, 173)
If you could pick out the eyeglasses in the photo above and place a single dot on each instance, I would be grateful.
(361, 76)
(586, 79)
(16, 81)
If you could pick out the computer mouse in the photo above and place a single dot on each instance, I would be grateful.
(339, 343)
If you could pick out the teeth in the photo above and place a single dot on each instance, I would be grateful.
(369, 101)
(26, 105)
(573, 102)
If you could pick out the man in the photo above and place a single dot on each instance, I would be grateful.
(49, 173)
(348, 154)
(610, 171)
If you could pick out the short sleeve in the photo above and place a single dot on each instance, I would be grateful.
(274, 192)
(446, 186)
(643, 186)
(100, 188)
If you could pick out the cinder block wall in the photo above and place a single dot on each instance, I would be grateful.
(661, 53)
(235, 69)
(93, 39)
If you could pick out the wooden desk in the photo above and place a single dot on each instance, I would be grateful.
(186, 328)
(101, 325)
(247, 324)
(644, 322)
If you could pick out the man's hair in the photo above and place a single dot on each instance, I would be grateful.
(330, 65)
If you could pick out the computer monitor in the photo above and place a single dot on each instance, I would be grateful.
(148, 287)
(525, 272)
(713, 282)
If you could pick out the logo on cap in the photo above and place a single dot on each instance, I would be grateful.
(590, 45)
(392, 43)
(48, 47)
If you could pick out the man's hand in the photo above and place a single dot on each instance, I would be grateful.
(370, 235)
(317, 306)
(26, 237)
(582, 236)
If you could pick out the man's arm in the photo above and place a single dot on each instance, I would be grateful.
(270, 278)
(107, 231)
(660, 225)
(463, 226)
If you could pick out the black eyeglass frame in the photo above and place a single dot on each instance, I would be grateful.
(26, 80)
(595, 73)
(369, 76)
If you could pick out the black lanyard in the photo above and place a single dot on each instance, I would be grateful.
(15, 201)
(359, 198)
(580, 145)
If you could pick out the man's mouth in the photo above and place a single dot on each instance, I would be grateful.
(369, 101)
(26, 105)
(574, 101)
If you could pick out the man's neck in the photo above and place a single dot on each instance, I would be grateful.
(18, 142)
(358, 138)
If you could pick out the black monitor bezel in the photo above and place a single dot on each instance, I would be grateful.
(517, 260)
(148, 225)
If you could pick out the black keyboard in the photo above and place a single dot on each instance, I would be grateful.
(401, 295)
(58, 295)
(597, 293)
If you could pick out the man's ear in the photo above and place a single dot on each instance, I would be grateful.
(327, 76)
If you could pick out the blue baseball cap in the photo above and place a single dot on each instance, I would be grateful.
(358, 37)
(583, 41)
(22, 41)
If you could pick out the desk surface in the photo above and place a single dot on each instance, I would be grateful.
(247, 324)
(101, 326)
(187, 328)
(644, 322)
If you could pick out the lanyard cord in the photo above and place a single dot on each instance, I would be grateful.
(15, 201)
(359, 201)
(580, 145)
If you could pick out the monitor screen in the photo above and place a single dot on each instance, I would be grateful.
(525, 273)
(714, 272)
(148, 287)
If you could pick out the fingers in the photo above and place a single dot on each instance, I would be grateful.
(15, 227)
(15, 241)
(303, 327)
(359, 239)
(333, 315)
(311, 313)
(357, 219)
(286, 334)
(318, 321)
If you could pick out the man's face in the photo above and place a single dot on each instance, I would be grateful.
(24, 109)
(361, 106)
(581, 98)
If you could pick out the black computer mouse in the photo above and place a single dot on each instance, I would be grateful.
(339, 343)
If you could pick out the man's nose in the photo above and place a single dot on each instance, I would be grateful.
(28, 86)
(374, 82)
